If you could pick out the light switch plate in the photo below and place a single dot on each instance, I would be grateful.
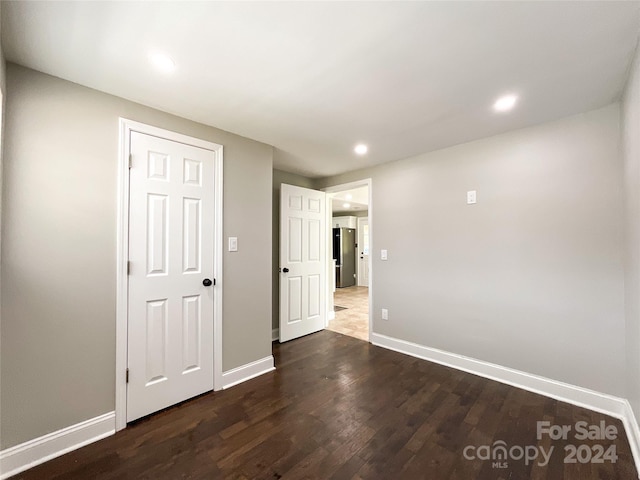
(233, 244)
(383, 254)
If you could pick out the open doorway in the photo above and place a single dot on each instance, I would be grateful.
(349, 207)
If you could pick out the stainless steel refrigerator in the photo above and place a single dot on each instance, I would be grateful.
(344, 253)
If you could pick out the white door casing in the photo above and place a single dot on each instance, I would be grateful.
(303, 281)
(171, 251)
(363, 251)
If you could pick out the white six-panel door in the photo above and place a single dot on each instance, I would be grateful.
(302, 261)
(171, 235)
(363, 252)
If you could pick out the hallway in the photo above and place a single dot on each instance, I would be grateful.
(351, 305)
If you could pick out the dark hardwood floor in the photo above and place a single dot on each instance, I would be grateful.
(337, 407)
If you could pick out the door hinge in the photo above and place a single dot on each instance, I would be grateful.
(214, 281)
(127, 375)
(128, 267)
(130, 160)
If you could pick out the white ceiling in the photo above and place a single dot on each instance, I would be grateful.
(357, 198)
(315, 78)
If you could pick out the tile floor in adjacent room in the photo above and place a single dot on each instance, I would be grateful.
(353, 320)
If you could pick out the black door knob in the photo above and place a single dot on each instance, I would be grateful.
(207, 283)
(285, 270)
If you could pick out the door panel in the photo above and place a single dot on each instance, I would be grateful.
(295, 299)
(158, 234)
(156, 347)
(191, 333)
(294, 252)
(192, 235)
(302, 262)
(170, 317)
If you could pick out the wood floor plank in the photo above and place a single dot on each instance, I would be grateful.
(340, 408)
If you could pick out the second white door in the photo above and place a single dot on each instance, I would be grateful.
(303, 267)
(171, 235)
(363, 252)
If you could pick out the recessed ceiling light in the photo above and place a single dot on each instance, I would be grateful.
(361, 149)
(162, 62)
(506, 103)
(346, 205)
(348, 196)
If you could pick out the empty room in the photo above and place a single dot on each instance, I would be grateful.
(321, 240)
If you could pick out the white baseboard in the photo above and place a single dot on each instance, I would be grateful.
(275, 334)
(579, 396)
(583, 397)
(17, 459)
(247, 372)
(633, 432)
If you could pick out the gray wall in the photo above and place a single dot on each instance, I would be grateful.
(2, 61)
(3, 90)
(631, 154)
(59, 250)
(531, 277)
(280, 177)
